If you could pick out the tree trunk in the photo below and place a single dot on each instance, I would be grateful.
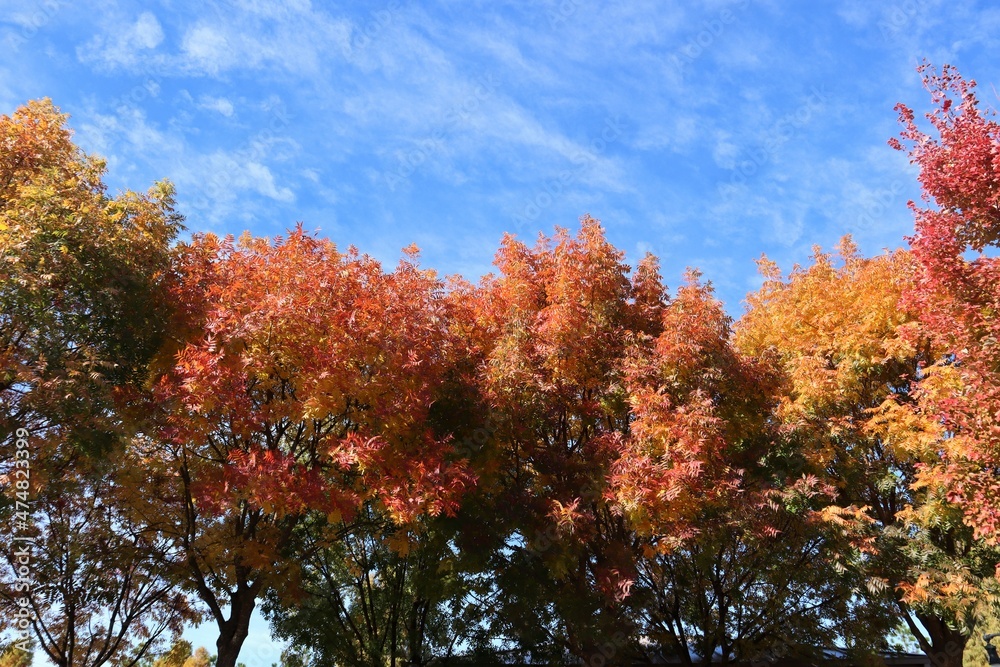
(233, 632)
(947, 646)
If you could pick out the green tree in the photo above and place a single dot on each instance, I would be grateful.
(373, 593)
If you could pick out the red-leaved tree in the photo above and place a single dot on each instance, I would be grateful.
(301, 382)
(957, 291)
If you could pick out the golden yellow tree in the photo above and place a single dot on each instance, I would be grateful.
(851, 352)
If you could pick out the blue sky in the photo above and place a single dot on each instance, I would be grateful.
(707, 133)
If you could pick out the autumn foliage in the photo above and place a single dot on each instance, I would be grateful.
(957, 291)
(322, 368)
(564, 461)
(83, 309)
(853, 353)
(302, 383)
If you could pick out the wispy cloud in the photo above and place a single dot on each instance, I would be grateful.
(265, 113)
(122, 43)
(218, 104)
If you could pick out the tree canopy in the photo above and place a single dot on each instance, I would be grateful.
(565, 461)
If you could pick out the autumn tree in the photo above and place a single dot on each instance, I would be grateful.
(373, 592)
(200, 658)
(82, 299)
(850, 352)
(175, 656)
(12, 655)
(737, 562)
(300, 383)
(956, 291)
(549, 333)
(83, 307)
(100, 594)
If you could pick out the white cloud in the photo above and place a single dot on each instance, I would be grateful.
(217, 184)
(856, 13)
(208, 49)
(123, 44)
(725, 152)
(260, 179)
(296, 39)
(218, 104)
(214, 186)
(147, 32)
(676, 132)
(105, 133)
(787, 226)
